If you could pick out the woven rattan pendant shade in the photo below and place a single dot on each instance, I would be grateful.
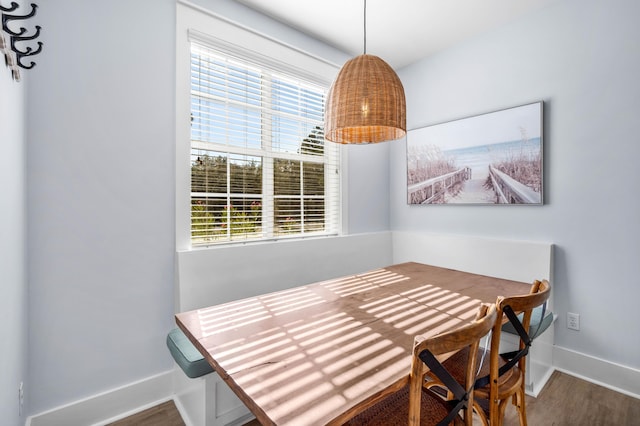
(366, 103)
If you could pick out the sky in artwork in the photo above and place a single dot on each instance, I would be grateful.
(486, 129)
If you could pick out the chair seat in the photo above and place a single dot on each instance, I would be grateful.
(186, 355)
(537, 326)
(394, 410)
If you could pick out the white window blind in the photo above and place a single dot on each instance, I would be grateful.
(260, 167)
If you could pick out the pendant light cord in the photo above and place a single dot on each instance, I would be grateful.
(365, 27)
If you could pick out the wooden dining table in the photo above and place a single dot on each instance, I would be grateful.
(319, 353)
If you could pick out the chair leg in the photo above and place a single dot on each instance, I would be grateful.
(522, 412)
(499, 419)
(494, 412)
(481, 414)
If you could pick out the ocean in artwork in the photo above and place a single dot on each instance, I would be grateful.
(478, 158)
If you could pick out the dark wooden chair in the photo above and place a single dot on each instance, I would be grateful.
(417, 405)
(502, 378)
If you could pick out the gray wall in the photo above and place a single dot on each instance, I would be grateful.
(367, 192)
(13, 281)
(101, 193)
(582, 59)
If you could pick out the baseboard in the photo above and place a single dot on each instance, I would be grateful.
(610, 375)
(109, 406)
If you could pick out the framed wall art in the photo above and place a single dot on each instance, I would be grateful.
(492, 158)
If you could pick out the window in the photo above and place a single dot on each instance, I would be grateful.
(260, 168)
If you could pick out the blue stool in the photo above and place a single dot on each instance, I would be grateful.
(186, 355)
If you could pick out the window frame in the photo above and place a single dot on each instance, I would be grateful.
(194, 24)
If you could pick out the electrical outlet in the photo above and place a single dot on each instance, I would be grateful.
(573, 321)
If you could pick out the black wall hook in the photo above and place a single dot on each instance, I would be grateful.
(11, 8)
(20, 36)
(6, 18)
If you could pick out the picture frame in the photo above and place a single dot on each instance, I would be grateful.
(486, 159)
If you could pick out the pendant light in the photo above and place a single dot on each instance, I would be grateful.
(366, 102)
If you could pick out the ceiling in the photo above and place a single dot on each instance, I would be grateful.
(399, 31)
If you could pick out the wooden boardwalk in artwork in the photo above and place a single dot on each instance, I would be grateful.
(460, 187)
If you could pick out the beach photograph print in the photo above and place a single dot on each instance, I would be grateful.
(493, 158)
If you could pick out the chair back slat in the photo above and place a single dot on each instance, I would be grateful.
(540, 292)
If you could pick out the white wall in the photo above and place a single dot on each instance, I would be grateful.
(582, 59)
(13, 281)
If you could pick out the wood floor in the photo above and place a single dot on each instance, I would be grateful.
(569, 401)
(165, 414)
(565, 401)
